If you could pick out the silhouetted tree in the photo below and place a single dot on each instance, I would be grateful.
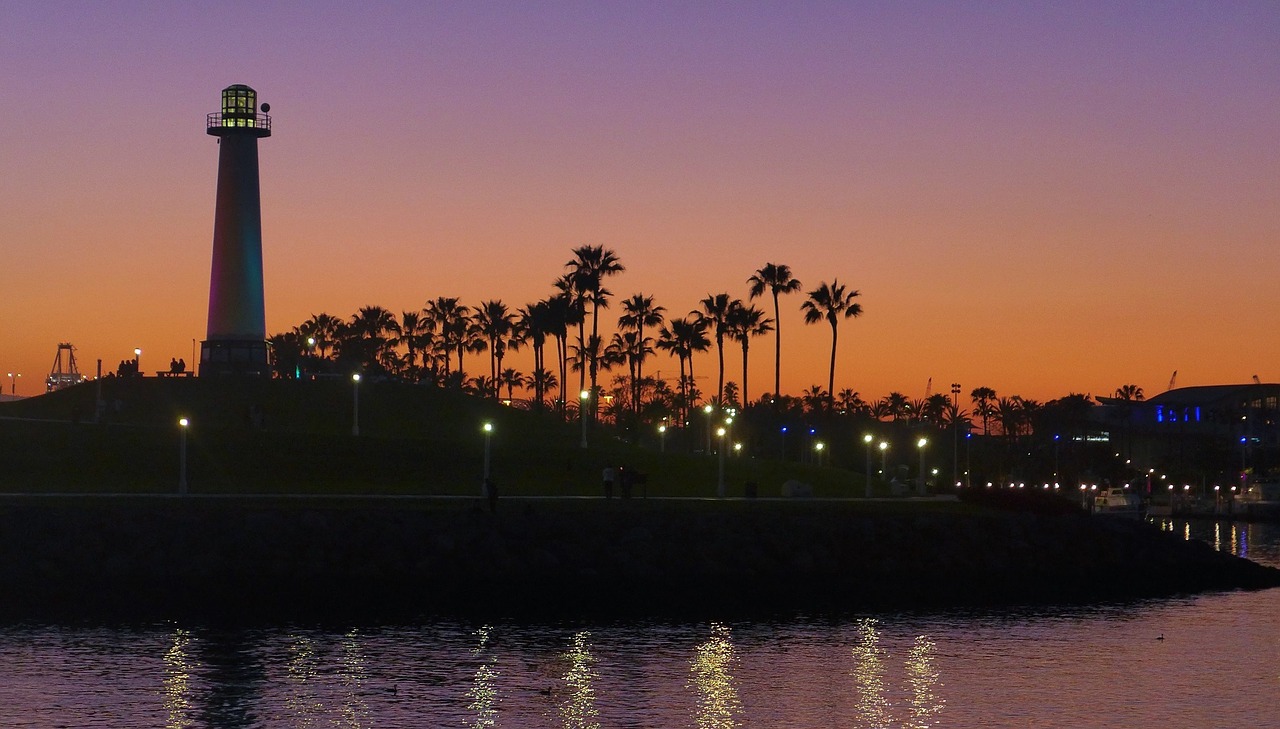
(778, 279)
(831, 302)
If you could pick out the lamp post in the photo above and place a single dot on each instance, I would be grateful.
(867, 484)
(488, 432)
(720, 479)
(662, 438)
(583, 399)
(708, 409)
(955, 432)
(355, 410)
(13, 383)
(182, 456)
(817, 449)
(137, 361)
(921, 444)
(884, 447)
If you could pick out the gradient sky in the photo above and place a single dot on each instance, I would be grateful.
(1041, 198)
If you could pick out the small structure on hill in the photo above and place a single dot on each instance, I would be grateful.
(64, 373)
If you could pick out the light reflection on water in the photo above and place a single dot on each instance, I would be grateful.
(1098, 666)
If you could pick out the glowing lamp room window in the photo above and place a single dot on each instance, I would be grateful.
(238, 106)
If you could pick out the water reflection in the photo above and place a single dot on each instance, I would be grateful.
(922, 676)
(177, 681)
(717, 698)
(483, 692)
(351, 671)
(302, 701)
(579, 710)
(868, 675)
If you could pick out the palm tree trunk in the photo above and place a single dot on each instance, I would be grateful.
(777, 350)
(831, 377)
(745, 398)
(720, 354)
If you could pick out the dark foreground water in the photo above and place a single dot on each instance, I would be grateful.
(1206, 661)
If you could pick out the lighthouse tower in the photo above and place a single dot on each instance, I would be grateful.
(236, 338)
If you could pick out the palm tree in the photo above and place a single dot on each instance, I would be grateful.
(560, 315)
(744, 322)
(831, 302)
(323, 328)
(715, 311)
(537, 323)
(370, 335)
(450, 319)
(983, 397)
(778, 279)
(498, 325)
(849, 401)
(415, 335)
(638, 313)
(511, 379)
(815, 399)
(1129, 392)
(588, 268)
(683, 337)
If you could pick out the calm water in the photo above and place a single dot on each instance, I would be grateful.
(1217, 666)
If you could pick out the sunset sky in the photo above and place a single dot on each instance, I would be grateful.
(1041, 198)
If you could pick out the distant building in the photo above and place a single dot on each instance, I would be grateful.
(1213, 431)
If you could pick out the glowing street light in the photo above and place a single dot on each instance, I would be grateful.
(355, 409)
(182, 456)
(584, 398)
(488, 433)
(921, 444)
(884, 448)
(137, 361)
(868, 438)
(13, 383)
(662, 438)
(818, 448)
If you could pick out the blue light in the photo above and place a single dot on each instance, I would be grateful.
(784, 429)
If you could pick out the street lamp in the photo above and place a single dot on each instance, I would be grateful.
(921, 444)
(817, 448)
(662, 438)
(884, 447)
(720, 479)
(584, 398)
(868, 438)
(955, 432)
(488, 432)
(13, 383)
(137, 361)
(182, 456)
(708, 409)
(355, 410)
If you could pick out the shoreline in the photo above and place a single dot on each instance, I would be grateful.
(307, 558)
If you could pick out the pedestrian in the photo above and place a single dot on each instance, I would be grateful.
(610, 475)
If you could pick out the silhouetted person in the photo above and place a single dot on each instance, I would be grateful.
(173, 367)
(610, 475)
(182, 366)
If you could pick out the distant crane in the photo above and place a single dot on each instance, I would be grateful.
(64, 374)
(1173, 380)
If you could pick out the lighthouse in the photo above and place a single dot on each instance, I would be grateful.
(235, 343)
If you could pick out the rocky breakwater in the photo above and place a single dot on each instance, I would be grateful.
(146, 558)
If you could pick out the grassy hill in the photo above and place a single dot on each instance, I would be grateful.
(295, 437)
